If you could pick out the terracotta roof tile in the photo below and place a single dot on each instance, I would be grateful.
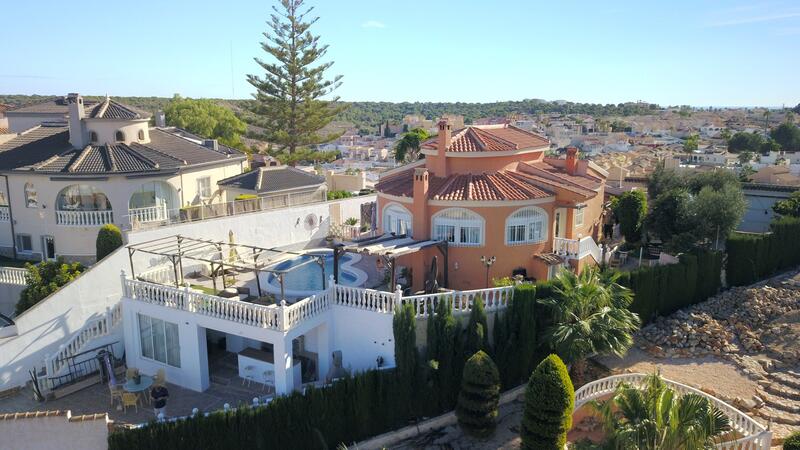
(466, 187)
(490, 138)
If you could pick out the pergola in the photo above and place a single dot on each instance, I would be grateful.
(221, 256)
(388, 247)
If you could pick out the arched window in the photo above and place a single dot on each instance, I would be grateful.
(397, 220)
(119, 136)
(460, 227)
(93, 136)
(526, 226)
(141, 135)
(82, 197)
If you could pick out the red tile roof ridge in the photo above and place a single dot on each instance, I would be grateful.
(478, 131)
(558, 183)
(560, 173)
(531, 190)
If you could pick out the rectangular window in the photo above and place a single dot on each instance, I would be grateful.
(24, 243)
(579, 217)
(471, 235)
(535, 232)
(159, 340)
(446, 233)
(516, 233)
(204, 187)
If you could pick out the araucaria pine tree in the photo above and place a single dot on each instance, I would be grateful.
(476, 408)
(549, 401)
(290, 104)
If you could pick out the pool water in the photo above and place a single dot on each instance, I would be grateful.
(309, 277)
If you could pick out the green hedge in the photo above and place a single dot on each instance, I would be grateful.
(662, 290)
(752, 257)
(792, 442)
(109, 238)
(549, 402)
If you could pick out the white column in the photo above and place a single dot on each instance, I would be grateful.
(324, 344)
(284, 380)
(202, 351)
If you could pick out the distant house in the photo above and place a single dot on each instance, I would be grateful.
(778, 175)
(279, 185)
(55, 109)
(91, 164)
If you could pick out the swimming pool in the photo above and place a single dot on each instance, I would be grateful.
(307, 280)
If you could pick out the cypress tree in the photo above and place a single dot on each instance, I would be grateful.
(289, 103)
(477, 329)
(549, 401)
(476, 408)
(404, 326)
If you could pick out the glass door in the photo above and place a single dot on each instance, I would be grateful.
(48, 248)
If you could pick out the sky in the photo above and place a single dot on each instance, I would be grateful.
(695, 52)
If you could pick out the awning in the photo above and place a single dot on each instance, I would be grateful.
(388, 245)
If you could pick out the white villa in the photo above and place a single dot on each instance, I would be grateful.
(105, 164)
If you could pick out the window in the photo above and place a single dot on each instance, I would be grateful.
(141, 135)
(24, 243)
(159, 340)
(579, 217)
(204, 187)
(526, 226)
(458, 226)
(397, 219)
(31, 198)
(119, 136)
(93, 136)
(82, 197)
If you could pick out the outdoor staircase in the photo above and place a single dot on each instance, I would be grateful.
(781, 395)
(57, 364)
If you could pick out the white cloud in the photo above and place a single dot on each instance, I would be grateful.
(373, 24)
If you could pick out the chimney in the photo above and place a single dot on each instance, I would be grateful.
(420, 205)
(211, 143)
(161, 119)
(438, 163)
(77, 134)
(572, 160)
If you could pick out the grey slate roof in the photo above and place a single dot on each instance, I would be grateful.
(46, 149)
(273, 179)
(110, 109)
(55, 105)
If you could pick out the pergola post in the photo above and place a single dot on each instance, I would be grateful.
(180, 260)
(175, 270)
(256, 272)
(131, 251)
(337, 252)
(213, 278)
(442, 246)
(280, 278)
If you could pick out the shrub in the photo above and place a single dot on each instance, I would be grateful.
(792, 442)
(336, 195)
(515, 335)
(477, 329)
(45, 278)
(549, 401)
(476, 408)
(752, 257)
(109, 238)
(630, 211)
(444, 355)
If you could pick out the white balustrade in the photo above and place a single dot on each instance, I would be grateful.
(566, 247)
(84, 218)
(5, 214)
(753, 435)
(93, 329)
(13, 275)
(148, 214)
(368, 299)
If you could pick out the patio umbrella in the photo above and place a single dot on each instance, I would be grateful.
(431, 283)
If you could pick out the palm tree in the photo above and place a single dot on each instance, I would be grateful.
(407, 148)
(655, 417)
(590, 317)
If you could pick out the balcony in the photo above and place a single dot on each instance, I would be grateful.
(577, 248)
(149, 214)
(84, 218)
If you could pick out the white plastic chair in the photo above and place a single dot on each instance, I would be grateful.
(248, 374)
(269, 379)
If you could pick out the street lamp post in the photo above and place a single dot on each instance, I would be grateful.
(488, 263)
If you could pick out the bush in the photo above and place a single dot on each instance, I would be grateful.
(549, 401)
(630, 211)
(336, 195)
(477, 329)
(515, 335)
(444, 354)
(752, 257)
(476, 408)
(792, 442)
(45, 278)
(109, 238)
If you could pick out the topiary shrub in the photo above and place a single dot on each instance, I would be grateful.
(549, 401)
(109, 238)
(477, 329)
(476, 408)
(792, 442)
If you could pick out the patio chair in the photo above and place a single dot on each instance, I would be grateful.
(130, 399)
(160, 379)
(116, 392)
(269, 380)
(248, 374)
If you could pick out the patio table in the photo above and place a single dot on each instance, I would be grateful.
(137, 388)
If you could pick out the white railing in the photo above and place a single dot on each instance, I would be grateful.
(566, 247)
(13, 275)
(93, 329)
(202, 212)
(209, 305)
(166, 274)
(306, 309)
(461, 301)
(5, 214)
(588, 246)
(84, 218)
(753, 436)
(367, 299)
(148, 214)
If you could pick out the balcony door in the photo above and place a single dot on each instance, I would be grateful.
(560, 223)
(48, 248)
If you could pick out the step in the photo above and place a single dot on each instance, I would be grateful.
(781, 390)
(778, 402)
(778, 416)
(786, 378)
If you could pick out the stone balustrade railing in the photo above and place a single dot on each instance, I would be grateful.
(5, 214)
(84, 218)
(368, 299)
(306, 309)
(566, 247)
(13, 275)
(93, 329)
(750, 435)
(148, 214)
